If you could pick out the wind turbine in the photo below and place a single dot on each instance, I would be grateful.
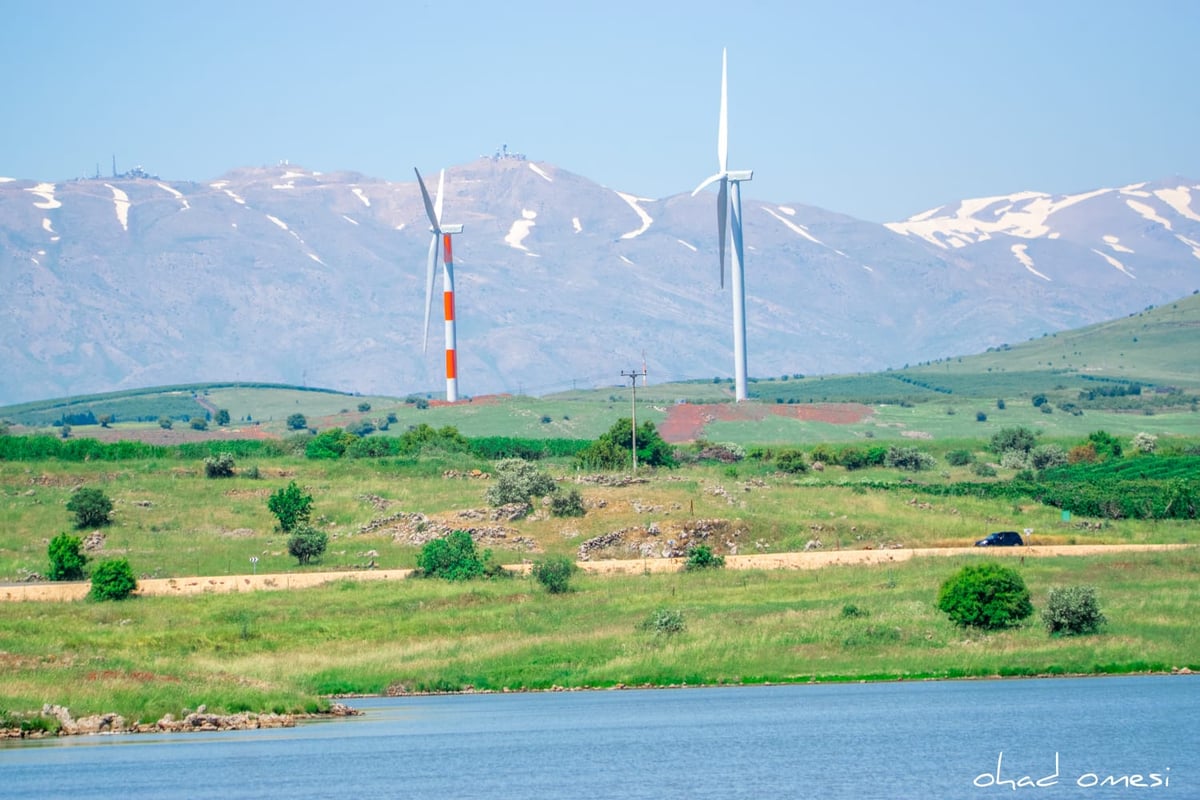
(443, 232)
(725, 199)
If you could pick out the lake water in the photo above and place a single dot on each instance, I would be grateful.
(956, 739)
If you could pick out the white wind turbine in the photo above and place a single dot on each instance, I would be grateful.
(443, 232)
(724, 201)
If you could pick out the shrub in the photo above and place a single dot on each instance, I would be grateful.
(219, 466)
(959, 458)
(198, 424)
(112, 580)
(1072, 610)
(66, 558)
(292, 506)
(1014, 459)
(1019, 438)
(364, 427)
(1000, 404)
(851, 611)
(364, 406)
(791, 461)
(518, 481)
(1145, 443)
(1107, 445)
(91, 507)
(988, 596)
(664, 622)
(612, 449)
(983, 469)
(329, 444)
(554, 573)
(223, 416)
(297, 422)
(567, 504)
(454, 558)
(908, 458)
(307, 543)
(701, 557)
(165, 423)
(980, 416)
(1045, 456)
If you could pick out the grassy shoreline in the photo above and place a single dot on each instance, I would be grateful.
(289, 652)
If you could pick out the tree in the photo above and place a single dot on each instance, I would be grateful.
(791, 461)
(331, 443)
(113, 580)
(1145, 443)
(612, 449)
(307, 543)
(165, 423)
(64, 431)
(988, 596)
(219, 466)
(198, 424)
(453, 558)
(223, 416)
(296, 422)
(568, 503)
(90, 506)
(1107, 445)
(291, 506)
(702, 557)
(66, 558)
(554, 573)
(908, 458)
(1045, 456)
(105, 420)
(364, 406)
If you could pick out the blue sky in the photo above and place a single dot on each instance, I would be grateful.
(875, 109)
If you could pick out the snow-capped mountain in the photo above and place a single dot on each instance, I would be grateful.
(283, 274)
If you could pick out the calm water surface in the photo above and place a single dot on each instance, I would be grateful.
(892, 740)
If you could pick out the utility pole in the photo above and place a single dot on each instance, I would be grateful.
(633, 375)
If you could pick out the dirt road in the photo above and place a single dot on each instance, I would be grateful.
(809, 560)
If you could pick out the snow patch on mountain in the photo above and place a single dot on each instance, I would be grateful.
(46, 192)
(688, 245)
(6, 180)
(800, 229)
(1114, 263)
(46, 225)
(361, 195)
(1018, 250)
(540, 172)
(1190, 243)
(282, 225)
(1025, 215)
(520, 229)
(351, 220)
(121, 202)
(1180, 199)
(1115, 243)
(645, 218)
(626, 260)
(177, 194)
(576, 224)
(1149, 213)
(220, 186)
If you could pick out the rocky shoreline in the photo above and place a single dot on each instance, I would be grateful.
(61, 723)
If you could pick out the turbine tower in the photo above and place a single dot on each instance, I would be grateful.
(726, 200)
(433, 209)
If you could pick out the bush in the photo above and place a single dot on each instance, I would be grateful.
(1145, 443)
(329, 444)
(612, 449)
(453, 558)
(91, 507)
(364, 406)
(307, 543)
(1014, 459)
(554, 573)
(851, 611)
(1072, 610)
(66, 558)
(518, 481)
(1019, 438)
(988, 596)
(198, 424)
(1046, 456)
(112, 580)
(908, 458)
(219, 466)
(702, 557)
(664, 622)
(980, 416)
(959, 458)
(983, 469)
(791, 461)
(223, 416)
(567, 504)
(165, 423)
(292, 506)
(297, 422)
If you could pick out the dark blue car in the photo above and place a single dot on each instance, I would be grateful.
(1001, 539)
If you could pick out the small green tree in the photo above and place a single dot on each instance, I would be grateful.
(64, 431)
(959, 458)
(364, 406)
(198, 424)
(296, 422)
(113, 580)
(554, 573)
(1107, 445)
(165, 423)
(105, 420)
(291, 506)
(1018, 438)
(453, 558)
(67, 559)
(988, 596)
(219, 466)
(612, 450)
(223, 416)
(90, 506)
(307, 543)
(701, 557)
(1047, 456)
(791, 461)
(908, 458)
(1072, 610)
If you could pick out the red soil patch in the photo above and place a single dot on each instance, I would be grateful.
(686, 422)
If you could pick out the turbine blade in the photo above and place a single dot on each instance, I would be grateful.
(437, 203)
(722, 212)
(723, 126)
(708, 182)
(429, 212)
(431, 266)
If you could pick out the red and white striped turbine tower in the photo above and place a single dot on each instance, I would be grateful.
(441, 236)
